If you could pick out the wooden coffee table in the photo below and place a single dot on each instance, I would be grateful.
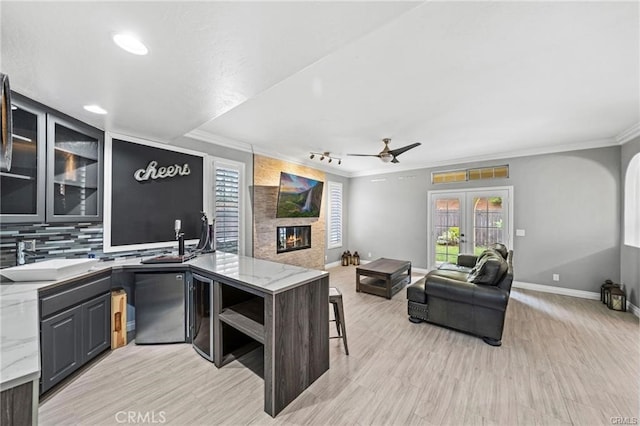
(384, 277)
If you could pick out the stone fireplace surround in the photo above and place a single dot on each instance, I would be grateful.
(266, 178)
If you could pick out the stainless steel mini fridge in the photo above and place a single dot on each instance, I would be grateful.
(160, 308)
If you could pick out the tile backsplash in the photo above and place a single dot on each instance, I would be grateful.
(59, 240)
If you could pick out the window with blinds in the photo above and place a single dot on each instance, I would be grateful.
(227, 208)
(334, 228)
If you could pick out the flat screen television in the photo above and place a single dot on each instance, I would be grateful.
(298, 196)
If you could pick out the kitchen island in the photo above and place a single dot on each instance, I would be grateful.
(293, 324)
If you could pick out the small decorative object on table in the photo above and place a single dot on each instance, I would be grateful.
(617, 299)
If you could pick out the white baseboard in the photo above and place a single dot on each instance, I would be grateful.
(592, 295)
(557, 290)
(332, 264)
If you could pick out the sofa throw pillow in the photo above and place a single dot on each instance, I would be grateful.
(488, 270)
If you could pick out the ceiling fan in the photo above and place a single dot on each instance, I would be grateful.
(389, 155)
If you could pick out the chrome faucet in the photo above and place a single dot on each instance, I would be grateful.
(24, 248)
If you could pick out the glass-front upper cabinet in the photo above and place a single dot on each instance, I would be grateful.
(22, 185)
(74, 171)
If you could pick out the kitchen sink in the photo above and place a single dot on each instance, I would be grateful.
(48, 270)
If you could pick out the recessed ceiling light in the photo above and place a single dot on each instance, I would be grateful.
(95, 109)
(130, 43)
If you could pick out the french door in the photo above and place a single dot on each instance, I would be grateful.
(467, 221)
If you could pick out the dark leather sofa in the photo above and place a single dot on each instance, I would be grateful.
(470, 296)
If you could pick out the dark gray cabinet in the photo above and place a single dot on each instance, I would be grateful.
(23, 185)
(96, 326)
(74, 170)
(57, 163)
(77, 331)
(61, 346)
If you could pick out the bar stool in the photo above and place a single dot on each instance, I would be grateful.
(335, 298)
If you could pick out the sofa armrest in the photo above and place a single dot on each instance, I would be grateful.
(449, 288)
(491, 297)
(468, 260)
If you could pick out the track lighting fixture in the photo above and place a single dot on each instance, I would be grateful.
(324, 155)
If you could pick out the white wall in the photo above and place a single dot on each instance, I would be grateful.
(568, 203)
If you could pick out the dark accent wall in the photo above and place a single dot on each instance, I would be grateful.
(144, 211)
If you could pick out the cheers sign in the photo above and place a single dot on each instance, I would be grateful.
(154, 172)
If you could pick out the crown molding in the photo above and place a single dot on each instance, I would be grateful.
(599, 143)
(308, 163)
(631, 133)
(247, 147)
(625, 136)
(219, 140)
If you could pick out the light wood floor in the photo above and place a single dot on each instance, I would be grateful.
(562, 361)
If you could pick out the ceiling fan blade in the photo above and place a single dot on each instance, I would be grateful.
(398, 151)
(364, 155)
(395, 160)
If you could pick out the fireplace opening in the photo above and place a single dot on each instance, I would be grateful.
(290, 238)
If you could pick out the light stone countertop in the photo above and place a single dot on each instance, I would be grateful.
(19, 312)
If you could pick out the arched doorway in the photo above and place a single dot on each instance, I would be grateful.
(632, 203)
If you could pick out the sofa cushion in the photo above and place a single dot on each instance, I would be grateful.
(450, 274)
(454, 267)
(489, 269)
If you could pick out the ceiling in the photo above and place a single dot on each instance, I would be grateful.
(470, 80)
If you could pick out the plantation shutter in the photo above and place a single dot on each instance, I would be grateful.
(227, 208)
(334, 238)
